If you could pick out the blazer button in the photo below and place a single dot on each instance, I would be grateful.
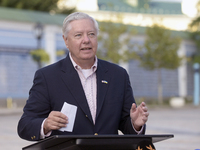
(96, 134)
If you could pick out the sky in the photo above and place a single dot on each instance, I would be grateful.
(169, 0)
(188, 6)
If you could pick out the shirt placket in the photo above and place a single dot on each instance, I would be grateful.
(88, 87)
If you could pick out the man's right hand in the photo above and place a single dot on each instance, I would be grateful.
(55, 121)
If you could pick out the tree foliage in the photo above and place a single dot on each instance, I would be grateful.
(114, 42)
(160, 49)
(39, 5)
(40, 56)
(194, 26)
(195, 36)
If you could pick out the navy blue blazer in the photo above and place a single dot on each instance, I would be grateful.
(58, 83)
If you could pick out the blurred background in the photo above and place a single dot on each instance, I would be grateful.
(156, 41)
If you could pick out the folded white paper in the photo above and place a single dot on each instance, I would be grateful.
(70, 111)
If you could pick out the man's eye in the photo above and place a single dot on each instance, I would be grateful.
(91, 34)
(78, 35)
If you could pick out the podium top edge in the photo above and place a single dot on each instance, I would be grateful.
(114, 136)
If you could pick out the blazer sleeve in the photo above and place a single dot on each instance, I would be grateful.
(125, 125)
(36, 109)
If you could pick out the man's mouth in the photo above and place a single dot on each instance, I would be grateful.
(86, 48)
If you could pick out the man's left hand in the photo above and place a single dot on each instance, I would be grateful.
(139, 115)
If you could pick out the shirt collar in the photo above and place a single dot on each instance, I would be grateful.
(94, 66)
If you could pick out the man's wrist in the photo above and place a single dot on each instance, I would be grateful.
(44, 134)
(45, 129)
(137, 128)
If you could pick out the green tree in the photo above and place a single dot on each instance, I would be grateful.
(114, 42)
(194, 26)
(160, 51)
(39, 5)
(40, 56)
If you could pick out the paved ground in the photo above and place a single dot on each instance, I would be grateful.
(9, 139)
(184, 123)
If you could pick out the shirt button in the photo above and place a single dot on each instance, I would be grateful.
(96, 134)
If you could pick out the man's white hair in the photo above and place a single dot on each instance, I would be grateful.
(76, 16)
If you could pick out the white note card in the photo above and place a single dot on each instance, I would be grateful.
(70, 111)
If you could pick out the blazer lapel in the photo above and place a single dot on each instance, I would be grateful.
(102, 85)
(73, 83)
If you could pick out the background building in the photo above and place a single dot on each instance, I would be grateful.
(17, 39)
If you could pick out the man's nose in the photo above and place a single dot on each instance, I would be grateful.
(86, 39)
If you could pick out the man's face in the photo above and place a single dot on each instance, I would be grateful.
(82, 41)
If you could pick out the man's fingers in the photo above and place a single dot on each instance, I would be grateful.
(56, 126)
(145, 119)
(60, 121)
(145, 116)
(56, 120)
(144, 107)
(59, 125)
(58, 117)
(58, 114)
(143, 104)
(133, 108)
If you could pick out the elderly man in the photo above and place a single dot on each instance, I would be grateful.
(100, 91)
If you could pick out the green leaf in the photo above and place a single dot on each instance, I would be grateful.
(40, 56)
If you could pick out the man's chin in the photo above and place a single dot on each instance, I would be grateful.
(88, 56)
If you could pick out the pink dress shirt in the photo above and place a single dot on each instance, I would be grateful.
(89, 84)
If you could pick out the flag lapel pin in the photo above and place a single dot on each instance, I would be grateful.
(104, 81)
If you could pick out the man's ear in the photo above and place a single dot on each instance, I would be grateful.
(66, 41)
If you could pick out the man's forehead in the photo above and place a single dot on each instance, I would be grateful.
(79, 25)
(76, 22)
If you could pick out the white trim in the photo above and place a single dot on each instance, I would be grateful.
(182, 72)
(50, 42)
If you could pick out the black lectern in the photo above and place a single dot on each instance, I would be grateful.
(95, 142)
